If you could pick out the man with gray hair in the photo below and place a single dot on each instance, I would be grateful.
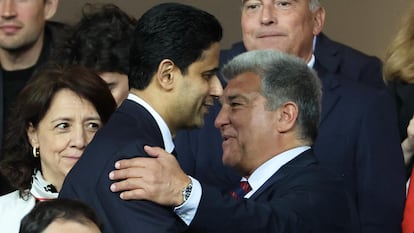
(358, 135)
(268, 122)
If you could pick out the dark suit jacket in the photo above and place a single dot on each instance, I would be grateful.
(347, 62)
(300, 197)
(358, 139)
(124, 136)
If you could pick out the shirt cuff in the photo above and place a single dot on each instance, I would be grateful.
(188, 209)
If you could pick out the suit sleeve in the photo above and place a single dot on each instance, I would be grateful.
(295, 206)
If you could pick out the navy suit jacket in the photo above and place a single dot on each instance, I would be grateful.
(124, 136)
(347, 62)
(358, 139)
(300, 197)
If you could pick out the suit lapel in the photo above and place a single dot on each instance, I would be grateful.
(303, 160)
(330, 86)
(327, 53)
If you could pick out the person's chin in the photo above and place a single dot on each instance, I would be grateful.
(226, 158)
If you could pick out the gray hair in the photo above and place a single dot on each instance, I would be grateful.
(284, 78)
(313, 5)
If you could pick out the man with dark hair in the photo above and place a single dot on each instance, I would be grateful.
(358, 136)
(59, 216)
(174, 58)
(26, 39)
(268, 122)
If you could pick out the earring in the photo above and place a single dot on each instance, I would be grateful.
(36, 152)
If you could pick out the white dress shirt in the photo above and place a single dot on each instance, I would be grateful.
(188, 209)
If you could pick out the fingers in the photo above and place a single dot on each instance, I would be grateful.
(156, 151)
(129, 184)
(132, 189)
(142, 161)
(137, 194)
(134, 172)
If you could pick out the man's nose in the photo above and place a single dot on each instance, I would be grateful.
(216, 89)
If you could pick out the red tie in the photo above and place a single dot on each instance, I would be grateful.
(239, 193)
(408, 219)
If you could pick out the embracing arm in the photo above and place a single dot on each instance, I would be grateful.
(295, 204)
(158, 179)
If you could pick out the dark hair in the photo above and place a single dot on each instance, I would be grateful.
(44, 213)
(32, 105)
(100, 40)
(170, 31)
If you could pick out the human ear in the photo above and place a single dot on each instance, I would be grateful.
(165, 74)
(50, 8)
(319, 20)
(287, 116)
(32, 135)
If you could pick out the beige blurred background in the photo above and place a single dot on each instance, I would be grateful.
(367, 25)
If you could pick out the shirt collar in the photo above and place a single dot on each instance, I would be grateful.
(165, 131)
(311, 62)
(270, 167)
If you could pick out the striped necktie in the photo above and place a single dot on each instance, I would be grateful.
(241, 191)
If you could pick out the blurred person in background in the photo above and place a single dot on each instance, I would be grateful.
(100, 41)
(60, 216)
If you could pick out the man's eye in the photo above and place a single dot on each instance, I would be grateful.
(209, 76)
(251, 6)
(234, 104)
(283, 4)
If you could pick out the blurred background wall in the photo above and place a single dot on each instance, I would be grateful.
(367, 25)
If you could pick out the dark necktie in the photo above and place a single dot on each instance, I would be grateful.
(243, 189)
(408, 219)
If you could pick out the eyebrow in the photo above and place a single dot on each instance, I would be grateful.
(214, 70)
(71, 119)
(231, 97)
(244, 1)
(94, 118)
